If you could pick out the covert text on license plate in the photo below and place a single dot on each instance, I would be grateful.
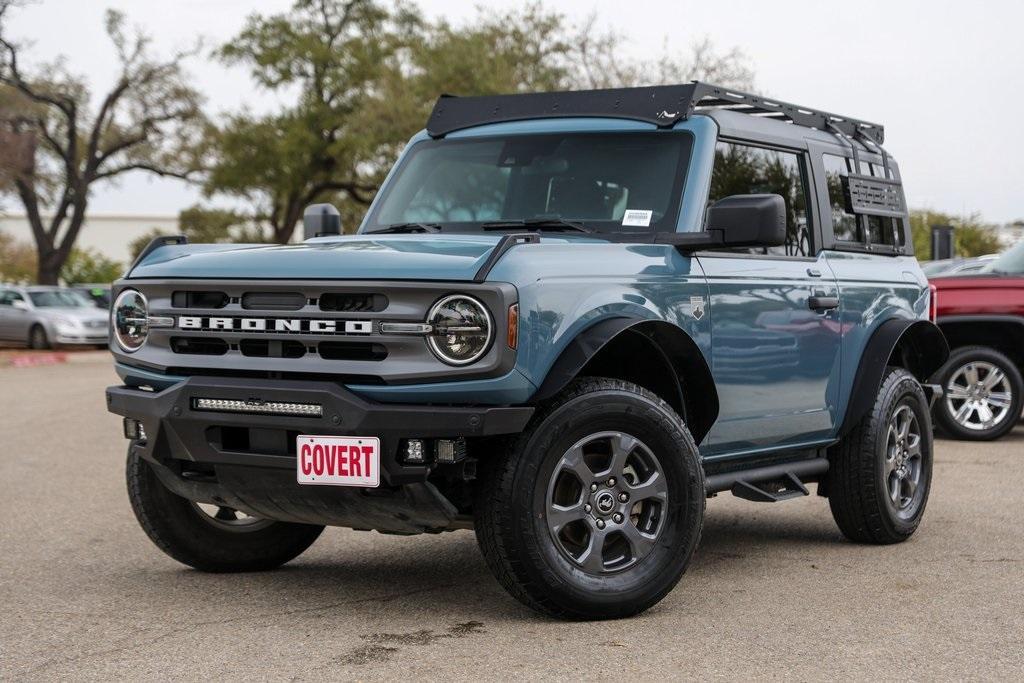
(338, 460)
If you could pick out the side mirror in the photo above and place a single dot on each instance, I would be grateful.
(20, 305)
(321, 219)
(749, 220)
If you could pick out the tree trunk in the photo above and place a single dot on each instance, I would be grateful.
(53, 256)
(286, 228)
(50, 263)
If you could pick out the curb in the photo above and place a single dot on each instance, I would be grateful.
(29, 360)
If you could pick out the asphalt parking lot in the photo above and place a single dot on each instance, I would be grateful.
(774, 591)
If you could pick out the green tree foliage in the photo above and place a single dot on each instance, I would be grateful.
(17, 260)
(971, 235)
(147, 121)
(88, 266)
(363, 78)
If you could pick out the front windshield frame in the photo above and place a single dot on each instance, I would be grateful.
(58, 298)
(604, 229)
(1010, 262)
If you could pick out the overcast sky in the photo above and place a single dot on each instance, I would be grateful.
(945, 78)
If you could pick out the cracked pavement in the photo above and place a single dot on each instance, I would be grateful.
(773, 592)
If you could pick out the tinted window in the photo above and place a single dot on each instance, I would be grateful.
(58, 298)
(8, 297)
(742, 169)
(845, 226)
(593, 179)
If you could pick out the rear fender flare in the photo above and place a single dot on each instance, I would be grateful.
(917, 345)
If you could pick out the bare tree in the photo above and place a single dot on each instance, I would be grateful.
(597, 61)
(148, 121)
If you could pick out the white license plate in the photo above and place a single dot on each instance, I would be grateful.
(338, 460)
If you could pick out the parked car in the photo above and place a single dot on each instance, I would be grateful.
(566, 319)
(957, 266)
(41, 317)
(99, 294)
(982, 316)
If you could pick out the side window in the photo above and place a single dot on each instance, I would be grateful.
(744, 169)
(6, 297)
(845, 226)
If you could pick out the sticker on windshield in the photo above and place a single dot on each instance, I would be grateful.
(637, 217)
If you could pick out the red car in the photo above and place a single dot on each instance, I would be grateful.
(982, 316)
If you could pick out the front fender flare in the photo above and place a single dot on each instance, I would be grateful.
(670, 344)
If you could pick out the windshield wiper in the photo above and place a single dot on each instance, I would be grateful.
(537, 224)
(407, 227)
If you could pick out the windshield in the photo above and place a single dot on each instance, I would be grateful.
(56, 298)
(1010, 261)
(607, 182)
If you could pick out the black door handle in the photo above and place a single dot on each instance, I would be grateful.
(823, 303)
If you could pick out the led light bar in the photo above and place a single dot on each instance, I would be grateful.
(224, 405)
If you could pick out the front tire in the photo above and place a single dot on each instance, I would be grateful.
(595, 510)
(880, 474)
(37, 338)
(982, 397)
(224, 541)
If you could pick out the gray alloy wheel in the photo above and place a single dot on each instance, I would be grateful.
(229, 519)
(979, 395)
(903, 461)
(606, 502)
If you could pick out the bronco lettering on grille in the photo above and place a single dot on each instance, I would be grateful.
(188, 322)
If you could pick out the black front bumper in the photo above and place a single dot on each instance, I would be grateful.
(176, 430)
(247, 461)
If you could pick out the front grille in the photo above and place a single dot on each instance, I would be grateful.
(268, 348)
(199, 346)
(273, 301)
(355, 303)
(181, 371)
(279, 329)
(352, 351)
(199, 299)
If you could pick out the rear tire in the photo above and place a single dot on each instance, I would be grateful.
(37, 338)
(212, 544)
(979, 382)
(595, 510)
(880, 474)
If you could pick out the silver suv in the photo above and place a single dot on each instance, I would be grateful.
(44, 316)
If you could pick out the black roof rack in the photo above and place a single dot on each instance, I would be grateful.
(662, 105)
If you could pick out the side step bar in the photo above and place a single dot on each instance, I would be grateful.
(771, 483)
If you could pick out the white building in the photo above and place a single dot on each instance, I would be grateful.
(108, 233)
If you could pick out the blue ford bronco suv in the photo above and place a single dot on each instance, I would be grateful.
(566, 320)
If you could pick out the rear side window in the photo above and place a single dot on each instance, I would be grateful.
(848, 227)
(744, 169)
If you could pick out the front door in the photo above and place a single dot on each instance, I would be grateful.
(775, 329)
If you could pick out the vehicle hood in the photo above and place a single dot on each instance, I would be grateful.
(78, 313)
(976, 281)
(349, 257)
(979, 295)
(389, 257)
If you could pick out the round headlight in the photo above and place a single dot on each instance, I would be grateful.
(129, 320)
(461, 329)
